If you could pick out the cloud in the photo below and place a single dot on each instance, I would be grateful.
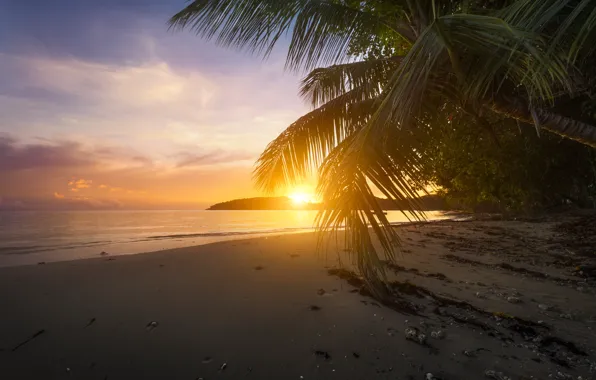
(187, 159)
(77, 184)
(14, 156)
(58, 195)
(119, 87)
(103, 186)
(48, 153)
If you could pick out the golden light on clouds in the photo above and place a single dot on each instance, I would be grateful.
(76, 185)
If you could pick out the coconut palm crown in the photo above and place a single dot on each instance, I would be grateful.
(381, 71)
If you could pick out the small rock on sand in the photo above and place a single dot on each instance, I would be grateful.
(152, 325)
(415, 335)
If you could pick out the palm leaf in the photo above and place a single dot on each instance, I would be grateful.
(327, 83)
(299, 150)
(320, 30)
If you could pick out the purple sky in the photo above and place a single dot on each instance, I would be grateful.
(101, 91)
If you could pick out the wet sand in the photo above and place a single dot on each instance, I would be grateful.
(470, 300)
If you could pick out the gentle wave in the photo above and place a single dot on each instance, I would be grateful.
(24, 250)
(225, 233)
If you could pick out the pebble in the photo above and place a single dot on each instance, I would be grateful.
(411, 334)
(415, 335)
(544, 307)
(152, 325)
(470, 353)
(437, 334)
(514, 300)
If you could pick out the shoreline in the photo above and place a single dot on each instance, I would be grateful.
(473, 300)
(167, 242)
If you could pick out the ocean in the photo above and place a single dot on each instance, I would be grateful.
(29, 237)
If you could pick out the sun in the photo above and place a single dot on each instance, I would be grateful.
(299, 198)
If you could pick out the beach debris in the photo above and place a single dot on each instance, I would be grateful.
(514, 300)
(491, 374)
(104, 253)
(91, 321)
(356, 355)
(473, 353)
(439, 334)
(207, 359)
(41, 263)
(430, 376)
(28, 340)
(152, 325)
(562, 376)
(314, 308)
(323, 354)
(258, 267)
(223, 367)
(413, 334)
(321, 291)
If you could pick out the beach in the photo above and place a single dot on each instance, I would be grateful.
(483, 299)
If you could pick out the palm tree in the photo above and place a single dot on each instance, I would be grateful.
(519, 59)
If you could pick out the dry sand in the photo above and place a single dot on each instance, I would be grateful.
(510, 299)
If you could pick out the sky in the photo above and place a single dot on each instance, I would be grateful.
(102, 107)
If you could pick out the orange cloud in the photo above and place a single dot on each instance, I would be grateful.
(74, 190)
(103, 186)
(80, 184)
(58, 195)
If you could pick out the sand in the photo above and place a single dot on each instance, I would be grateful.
(478, 300)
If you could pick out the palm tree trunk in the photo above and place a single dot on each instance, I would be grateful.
(562, 125)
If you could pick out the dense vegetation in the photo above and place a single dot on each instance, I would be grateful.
(411, 93)
(508, 168)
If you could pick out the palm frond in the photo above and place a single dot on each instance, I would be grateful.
(299, 150)
(324, 84)
(347, 179)
(567, 23)
(320, 29)
(493, 49)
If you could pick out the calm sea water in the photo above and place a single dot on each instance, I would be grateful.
(32, 237)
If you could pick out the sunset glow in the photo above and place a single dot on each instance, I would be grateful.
(300, 198)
